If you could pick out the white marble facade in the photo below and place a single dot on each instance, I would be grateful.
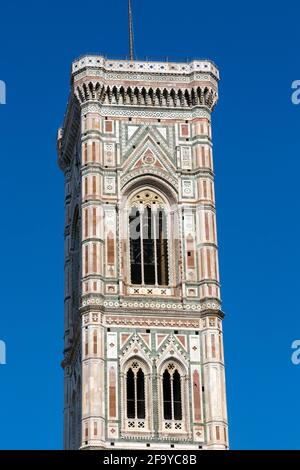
(143, 358)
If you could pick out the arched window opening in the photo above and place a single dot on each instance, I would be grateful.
(172, 403)
(177, 395)
(167, 395)
(140, 379)
(148, 247)
(136, 390)
(130, 394)
(135, 246)
(148, 240)
(135, 387)
(162, 250)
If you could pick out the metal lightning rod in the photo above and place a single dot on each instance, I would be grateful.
(131, 51)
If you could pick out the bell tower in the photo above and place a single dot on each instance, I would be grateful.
(143, 357)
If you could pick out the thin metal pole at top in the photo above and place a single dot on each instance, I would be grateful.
(131, 50)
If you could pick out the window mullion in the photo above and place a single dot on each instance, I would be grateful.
(135, 397)
(172, 398)
(154, 212)
(142, 244)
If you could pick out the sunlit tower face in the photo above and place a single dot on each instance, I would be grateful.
(144, 356)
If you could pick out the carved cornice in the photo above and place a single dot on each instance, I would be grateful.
(123, 69)
(151, 85)
(147, 322)
(194, 95)
(163, 307)
(143, 112)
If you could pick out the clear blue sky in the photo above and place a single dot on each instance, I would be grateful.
(256, 136)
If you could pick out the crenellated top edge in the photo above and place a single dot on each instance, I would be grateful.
(155, 67)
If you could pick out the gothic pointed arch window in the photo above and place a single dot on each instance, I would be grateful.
(135, 384)
(148, 233)
(173, 399)
(172, 395)
(136, 391)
